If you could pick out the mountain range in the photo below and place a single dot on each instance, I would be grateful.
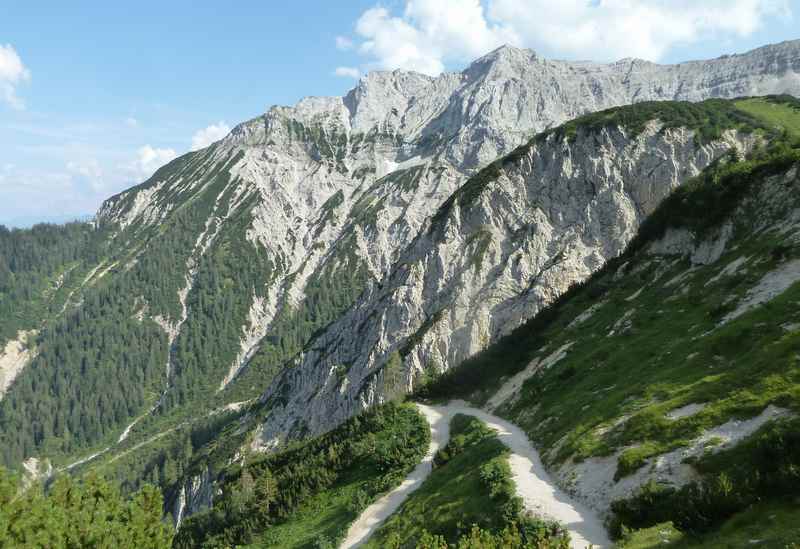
(326, 258)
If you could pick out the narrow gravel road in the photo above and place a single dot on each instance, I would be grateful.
(534, 486)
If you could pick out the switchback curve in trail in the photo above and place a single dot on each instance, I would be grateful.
(539, 493)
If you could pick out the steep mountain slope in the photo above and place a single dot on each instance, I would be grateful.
(321, 389)
(508, 242)
(218, 270)
(665, 389)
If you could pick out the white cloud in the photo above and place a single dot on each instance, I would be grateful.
(131, 122)
(87, 168)
(205, 137)
(348, 72)
(89, 171)
(32, 195)
(12, 73)
(611, 29)
(149, 159)
(344, 43)
(430, 33)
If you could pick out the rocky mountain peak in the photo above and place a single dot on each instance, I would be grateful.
(509, 94)
(506, 54)
(383, 96)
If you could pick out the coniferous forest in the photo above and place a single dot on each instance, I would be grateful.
(79, 514)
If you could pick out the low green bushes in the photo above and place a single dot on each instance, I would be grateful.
(73, 514)
(766, 465)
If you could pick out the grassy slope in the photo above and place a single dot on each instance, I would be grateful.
(666, 352)
(768, 525)
(324, 518)
(453, 497)
(661, 356)
(773, 113)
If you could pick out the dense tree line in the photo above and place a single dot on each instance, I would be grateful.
(99, 363)
(92, 372)
(169, 460)
(231, 274)
(513, 536)
(102, 362)
(31, 262)
(708, 119)
(328, 293)
(76, 515)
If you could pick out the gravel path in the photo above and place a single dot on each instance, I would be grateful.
(534, 486)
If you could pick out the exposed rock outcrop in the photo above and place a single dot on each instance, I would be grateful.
(14, 357)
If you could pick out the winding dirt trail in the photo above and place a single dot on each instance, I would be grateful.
(538, 492)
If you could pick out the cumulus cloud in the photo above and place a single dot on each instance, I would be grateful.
(77, 186)
(32, 195)
(205, 137)
(149, 159)
(612, 29)
(75, 176)
(430, 33)
(348, 72)
(12, 73)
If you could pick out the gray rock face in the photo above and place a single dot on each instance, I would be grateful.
(194, 495)
(335, 184)
(477, 270)
(508, 95)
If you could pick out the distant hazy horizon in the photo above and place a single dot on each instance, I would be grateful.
(26, 222)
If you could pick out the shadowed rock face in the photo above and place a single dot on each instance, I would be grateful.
(337, 185)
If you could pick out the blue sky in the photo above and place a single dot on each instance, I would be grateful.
(95, 95)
